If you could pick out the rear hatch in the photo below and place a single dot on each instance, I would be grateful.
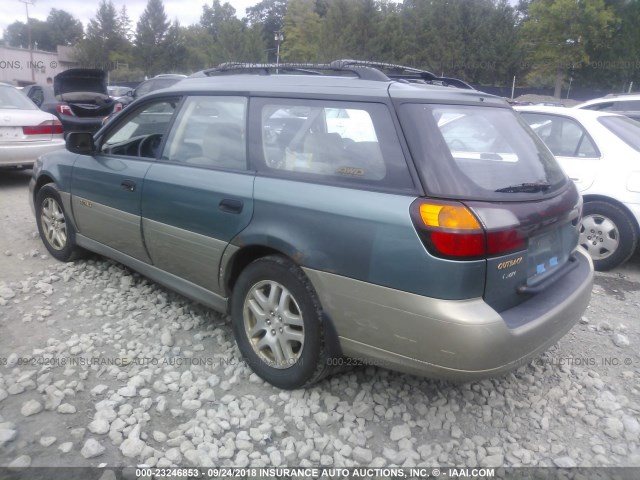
(85, 91)
(494, 192)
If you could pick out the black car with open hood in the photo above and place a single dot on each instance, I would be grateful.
(78, 98)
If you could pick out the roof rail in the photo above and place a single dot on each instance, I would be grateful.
(365, 70)
(362, 72)
(406, 74)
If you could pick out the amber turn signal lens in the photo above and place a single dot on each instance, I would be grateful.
(448, 216)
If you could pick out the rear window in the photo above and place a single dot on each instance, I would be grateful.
(624, 128)
(481, 153)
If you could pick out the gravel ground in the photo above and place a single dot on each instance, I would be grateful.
(100, 366)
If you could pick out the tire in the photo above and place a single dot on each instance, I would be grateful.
(56, 231)
(608, 234)
(291, 353)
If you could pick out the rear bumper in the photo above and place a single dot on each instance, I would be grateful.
(458, 340)
(26, 153)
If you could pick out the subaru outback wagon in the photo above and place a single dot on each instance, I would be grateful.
(351, 209)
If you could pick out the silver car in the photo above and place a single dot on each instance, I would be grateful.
(26, 132)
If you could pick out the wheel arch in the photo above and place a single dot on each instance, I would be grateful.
(617, 203)
(249, 253)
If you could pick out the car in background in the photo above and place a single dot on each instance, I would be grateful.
(600, 151)
(25, 131)
(78, 98)
(627, 104)
(156, 83)
(121, 94)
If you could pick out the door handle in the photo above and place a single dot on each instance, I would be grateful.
(575, 179)
(129, 185)
(231, 205)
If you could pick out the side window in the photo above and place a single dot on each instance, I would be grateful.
(140, 134)
(332, 141)
(210, 132)
(603, 106)
(628, 105)
(564, 136)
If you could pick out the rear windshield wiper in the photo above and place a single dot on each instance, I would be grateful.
(526, 188)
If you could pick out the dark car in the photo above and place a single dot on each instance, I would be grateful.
(156, 83)
(340, 210)
(78, 98)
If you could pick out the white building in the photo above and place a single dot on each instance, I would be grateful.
(20, 66)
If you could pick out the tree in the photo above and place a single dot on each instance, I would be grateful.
(268, 17)
(302, 26)
(64, 28)
(104, 39)
(560, 33)
(215, 18)
(151, 33)
(60, 28)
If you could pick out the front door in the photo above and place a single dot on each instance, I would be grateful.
(107, 187)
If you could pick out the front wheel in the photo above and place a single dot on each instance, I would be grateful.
(607, 234)
(278, 323)
(56, 231)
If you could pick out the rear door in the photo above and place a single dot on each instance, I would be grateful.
(200, 194)
(107, 187)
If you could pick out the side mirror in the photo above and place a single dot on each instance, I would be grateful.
(130, 93)
(80, 142)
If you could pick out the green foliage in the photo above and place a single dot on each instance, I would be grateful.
(596, 43)
(559, 34)
(302, 32)
(104, 38)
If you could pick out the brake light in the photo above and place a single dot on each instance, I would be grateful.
(48, 127)
(64, 109)
(450, 229)
(117, 107)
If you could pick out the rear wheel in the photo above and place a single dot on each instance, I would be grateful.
(608, 234)
(278, 323)
(56, 231)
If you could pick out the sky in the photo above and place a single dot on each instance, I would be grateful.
(186, 11)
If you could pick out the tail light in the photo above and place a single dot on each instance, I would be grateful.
(117, 107)
(48, 127)
(451, 230)
(64, 109)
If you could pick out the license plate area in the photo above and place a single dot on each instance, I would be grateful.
(547, 253)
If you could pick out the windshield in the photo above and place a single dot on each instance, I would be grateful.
(483, 153)
(623, 127)
(10, 98)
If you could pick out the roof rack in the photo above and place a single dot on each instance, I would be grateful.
(406, 74)
(364, 73)
(365, 70)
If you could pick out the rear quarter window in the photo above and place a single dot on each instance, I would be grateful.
(331, 142)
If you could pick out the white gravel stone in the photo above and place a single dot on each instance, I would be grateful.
(564, 462)
(620, 340)
(399, 432)
(159, 437)
(3, 394)
(99, 389)
(362, 456)
(166, 339)
(66, 408)
(7, 435)
(31, 407)
(128, 391)
(92, 448)
(22, 461)
(7, 293)
(99, 426)
(65, 447)
(47, 441)
(132, 447)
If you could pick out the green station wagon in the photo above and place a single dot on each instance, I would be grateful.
(347, 210)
